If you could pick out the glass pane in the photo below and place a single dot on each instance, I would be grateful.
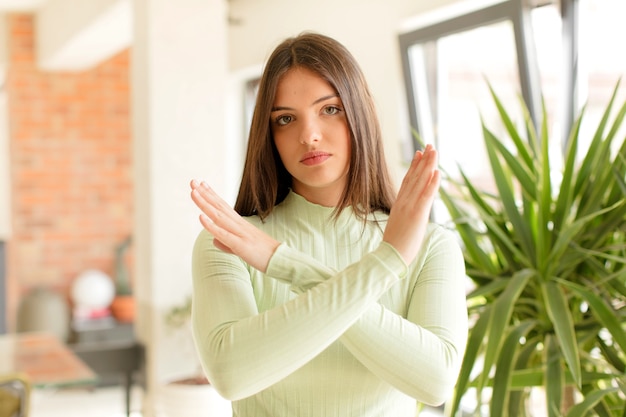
(602, 60)
(466, 64)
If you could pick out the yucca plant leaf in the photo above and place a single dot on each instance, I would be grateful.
(601, 410)
(521, 172)
(520, 144)
(591, 399)
(594, 153)
(525, 356)
(495, 232)
(550, 248)
(524, 378)
(567, 236)
(544, 199)
(611, 135)
(607, 225)
(534, 377)
(600, 164)
(506, 192)
(467, 233)
(623, 410)
(494, 287)
(501, 239)
(602, 311)
(561, 317)
(474, 342)
(618, 187)
(504, 368)
(611, 355)
(499, 319)
(555, 379)
(616, 285)
(565, 197)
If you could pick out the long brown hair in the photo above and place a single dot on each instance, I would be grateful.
(265, 181)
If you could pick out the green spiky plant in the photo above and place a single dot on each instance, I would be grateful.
(548, 261)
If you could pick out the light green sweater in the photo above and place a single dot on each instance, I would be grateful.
(338, 326)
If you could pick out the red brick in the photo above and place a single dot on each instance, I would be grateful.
(71, 165)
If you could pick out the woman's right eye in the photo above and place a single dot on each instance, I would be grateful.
(283, 120)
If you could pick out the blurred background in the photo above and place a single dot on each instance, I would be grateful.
(108, 108)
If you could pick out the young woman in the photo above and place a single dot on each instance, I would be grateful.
(322, 293)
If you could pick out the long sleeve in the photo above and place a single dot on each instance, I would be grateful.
(243, 350)
(337, 325)
(430, 341)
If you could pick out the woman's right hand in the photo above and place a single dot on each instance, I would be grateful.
(232, 234)
(409, 215)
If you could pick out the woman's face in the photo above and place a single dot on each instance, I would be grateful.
(311, 134)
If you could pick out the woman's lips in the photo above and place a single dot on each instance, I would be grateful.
(314, 158)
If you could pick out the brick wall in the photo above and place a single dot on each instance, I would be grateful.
(71, 167)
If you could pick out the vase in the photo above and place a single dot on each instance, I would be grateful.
(44, 310)
(123, 308)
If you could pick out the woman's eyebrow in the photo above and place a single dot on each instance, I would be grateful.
(319, 100)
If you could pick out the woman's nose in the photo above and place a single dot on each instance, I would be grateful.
(310, 132)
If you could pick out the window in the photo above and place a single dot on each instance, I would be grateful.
(567, 54)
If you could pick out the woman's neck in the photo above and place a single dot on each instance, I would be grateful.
(320, 197)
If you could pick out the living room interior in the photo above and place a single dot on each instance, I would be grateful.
(109, 108)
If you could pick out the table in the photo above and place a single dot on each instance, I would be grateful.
(111, 350)
(46, 360)
(114, 358)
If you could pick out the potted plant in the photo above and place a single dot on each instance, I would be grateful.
(123, 304)
(547, 254)
(192, 395)
(179, 317)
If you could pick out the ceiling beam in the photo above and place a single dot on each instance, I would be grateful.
(76, 36)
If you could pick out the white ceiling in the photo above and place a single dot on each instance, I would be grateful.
(20, 5)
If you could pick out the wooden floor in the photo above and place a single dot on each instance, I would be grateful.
(101, 402)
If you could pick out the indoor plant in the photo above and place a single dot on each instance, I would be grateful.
(179, 318)
(548, 260)
(192, 395)
(123, 304)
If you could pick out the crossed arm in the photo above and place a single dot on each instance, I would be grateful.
(405, 229)
(244, 351)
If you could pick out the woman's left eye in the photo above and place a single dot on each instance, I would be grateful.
(283, 120)
(331, 110)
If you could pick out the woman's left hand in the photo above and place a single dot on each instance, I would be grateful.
(231, 232)
(410, 213)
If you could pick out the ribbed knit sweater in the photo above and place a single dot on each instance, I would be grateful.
(338, 325)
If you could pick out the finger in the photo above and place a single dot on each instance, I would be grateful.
(222, 235)
(420, 172)
(433, 186)
(212, 211)
(220, 219)
(218, 244)
(201, 201)
(422, 159)
(217, 201)
(212, 204)
(417, 156)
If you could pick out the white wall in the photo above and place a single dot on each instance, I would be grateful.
(5, 201)
(179, 75)
(77, 35)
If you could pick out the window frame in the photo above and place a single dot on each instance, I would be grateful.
(518, 13)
